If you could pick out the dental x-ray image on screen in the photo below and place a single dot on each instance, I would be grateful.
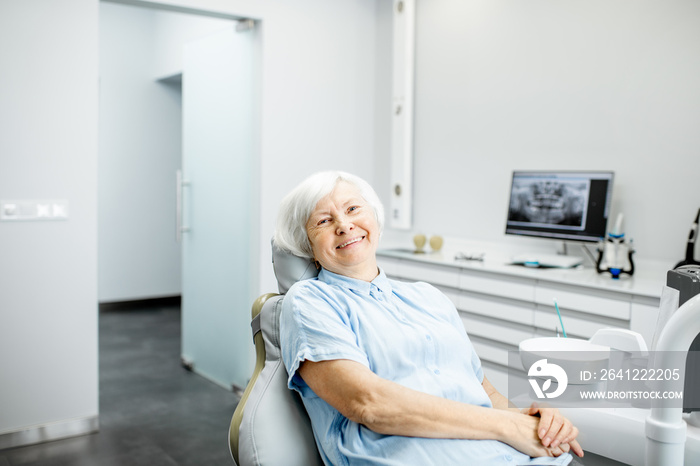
(569, 205)
(550, 202)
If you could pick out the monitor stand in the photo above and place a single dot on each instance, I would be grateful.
(547, 260)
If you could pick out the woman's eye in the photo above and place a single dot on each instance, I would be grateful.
(322, 221)
(353, 208)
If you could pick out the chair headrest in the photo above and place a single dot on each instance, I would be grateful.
(290, 269)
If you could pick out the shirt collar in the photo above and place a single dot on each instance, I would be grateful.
(381, 282)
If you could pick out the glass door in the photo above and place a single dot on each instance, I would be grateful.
(219, 205)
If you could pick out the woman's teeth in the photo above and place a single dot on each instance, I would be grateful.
(354, 240)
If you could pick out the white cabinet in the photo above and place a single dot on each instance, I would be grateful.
(502, 305)
(493, 284)
(431, 273)
(497, 308)
(584, 300)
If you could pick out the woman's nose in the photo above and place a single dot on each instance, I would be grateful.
(344, 226)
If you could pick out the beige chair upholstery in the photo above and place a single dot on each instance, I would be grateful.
(270, 426)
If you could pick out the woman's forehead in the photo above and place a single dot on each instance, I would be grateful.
(342, 195)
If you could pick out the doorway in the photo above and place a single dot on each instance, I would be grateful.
(140, 151)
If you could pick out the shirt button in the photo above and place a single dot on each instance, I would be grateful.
(427, 337)
(437, 371)
(509, 458)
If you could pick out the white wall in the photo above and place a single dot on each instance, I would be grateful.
(318, 99)
(140, 148)
(503, 85)
(48, 270)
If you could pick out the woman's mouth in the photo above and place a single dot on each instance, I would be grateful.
(349, 242)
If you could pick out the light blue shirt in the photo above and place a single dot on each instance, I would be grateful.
(409, 333)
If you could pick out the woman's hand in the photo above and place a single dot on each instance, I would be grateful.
(552, 433)
(553, 429)
(523, 436)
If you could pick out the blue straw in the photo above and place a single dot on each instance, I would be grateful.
(556, 306)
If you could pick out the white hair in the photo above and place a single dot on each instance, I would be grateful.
(297, 206)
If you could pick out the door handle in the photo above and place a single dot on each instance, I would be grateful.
(180, 183)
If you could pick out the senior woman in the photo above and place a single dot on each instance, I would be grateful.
(385, 369)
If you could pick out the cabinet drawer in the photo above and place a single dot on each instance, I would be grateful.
(575, 326)
(583, 301)
(512, 311)
(493, 331)
(435, 274)
(508, 287)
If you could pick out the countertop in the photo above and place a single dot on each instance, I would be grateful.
(648, 279)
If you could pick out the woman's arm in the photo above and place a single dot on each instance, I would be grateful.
(390, 408)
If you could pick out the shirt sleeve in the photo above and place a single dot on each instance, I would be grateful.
(315, 327)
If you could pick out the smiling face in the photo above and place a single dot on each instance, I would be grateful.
(344, 234)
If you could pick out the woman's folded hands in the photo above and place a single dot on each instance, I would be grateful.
(542, 431)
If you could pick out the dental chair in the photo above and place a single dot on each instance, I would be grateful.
(270, 426)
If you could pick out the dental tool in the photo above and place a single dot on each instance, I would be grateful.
(556, 306)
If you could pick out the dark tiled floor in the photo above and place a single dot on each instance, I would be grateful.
(152, 411)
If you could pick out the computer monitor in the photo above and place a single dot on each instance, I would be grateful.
(565, 205)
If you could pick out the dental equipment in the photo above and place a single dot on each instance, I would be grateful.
(615, 252)
(460, 256)
(665, 427)
(556, 306)
(690, 247)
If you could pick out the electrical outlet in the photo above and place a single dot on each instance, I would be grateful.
(8, 211)
(28, 210)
